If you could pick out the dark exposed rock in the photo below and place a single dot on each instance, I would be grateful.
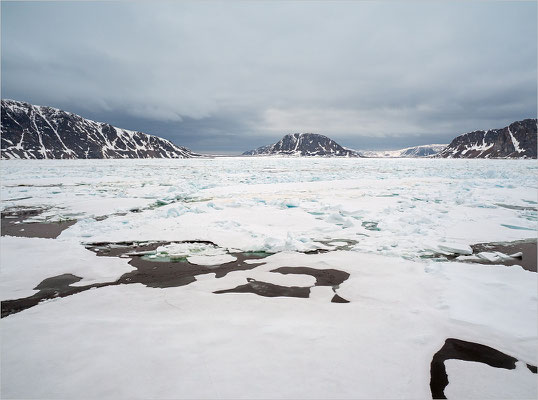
(517, 140)
(304, 144)
(39, 132)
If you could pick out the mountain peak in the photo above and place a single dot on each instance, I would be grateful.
(304, 144)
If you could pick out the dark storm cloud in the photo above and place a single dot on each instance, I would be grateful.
(229, 77)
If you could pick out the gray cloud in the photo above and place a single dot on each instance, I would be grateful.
(228, 77)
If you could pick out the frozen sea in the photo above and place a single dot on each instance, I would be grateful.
(401, 229)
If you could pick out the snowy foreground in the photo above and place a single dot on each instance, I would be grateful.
(379, 219)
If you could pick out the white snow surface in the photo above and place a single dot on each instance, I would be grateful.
(132, 341)
(25, 262)
(472, 380)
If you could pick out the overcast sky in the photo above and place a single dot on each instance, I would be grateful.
(230, 77)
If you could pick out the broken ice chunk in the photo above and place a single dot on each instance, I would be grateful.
(468, 258)
(503, 256)
(195, 253)
(456, 248)
(141, 253)
(338, 243)
(497, 256)
(370, 225)
(210, 260)
(489, 256)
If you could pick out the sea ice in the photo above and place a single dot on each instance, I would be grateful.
(456, 248)
(135, 341)
(494, 256)
(25, 262)
(195, 253)
(472, 380)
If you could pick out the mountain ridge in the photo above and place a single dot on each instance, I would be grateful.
(517, 140)
(42, 132)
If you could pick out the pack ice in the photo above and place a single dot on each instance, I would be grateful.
(401, 229)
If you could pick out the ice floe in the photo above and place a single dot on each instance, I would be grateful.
(25, 262)
(243, 344)
(195, 253)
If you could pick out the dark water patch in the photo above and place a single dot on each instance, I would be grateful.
(517, 227)
(268, 289)
(317, 251)
(527, 260)
(58, 282)
(50, 288)
(349, 243)
(260, 254)
(466, 351)
(156, 204)
(338, 299)
(22, 212)
(32, 185)
(151, 273)
(324, 277)
(158, 273)
(532, 368)
(176, 272)
(180, 272)
(388, 195)
(370, 225)
(12, 224)
(518, 208)
(116, 214)
(19, 198)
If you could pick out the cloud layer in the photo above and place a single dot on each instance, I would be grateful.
(226, 77)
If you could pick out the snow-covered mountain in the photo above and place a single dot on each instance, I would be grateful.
(30, 131)
(426, 150)
(304, 144)
(517, 140)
